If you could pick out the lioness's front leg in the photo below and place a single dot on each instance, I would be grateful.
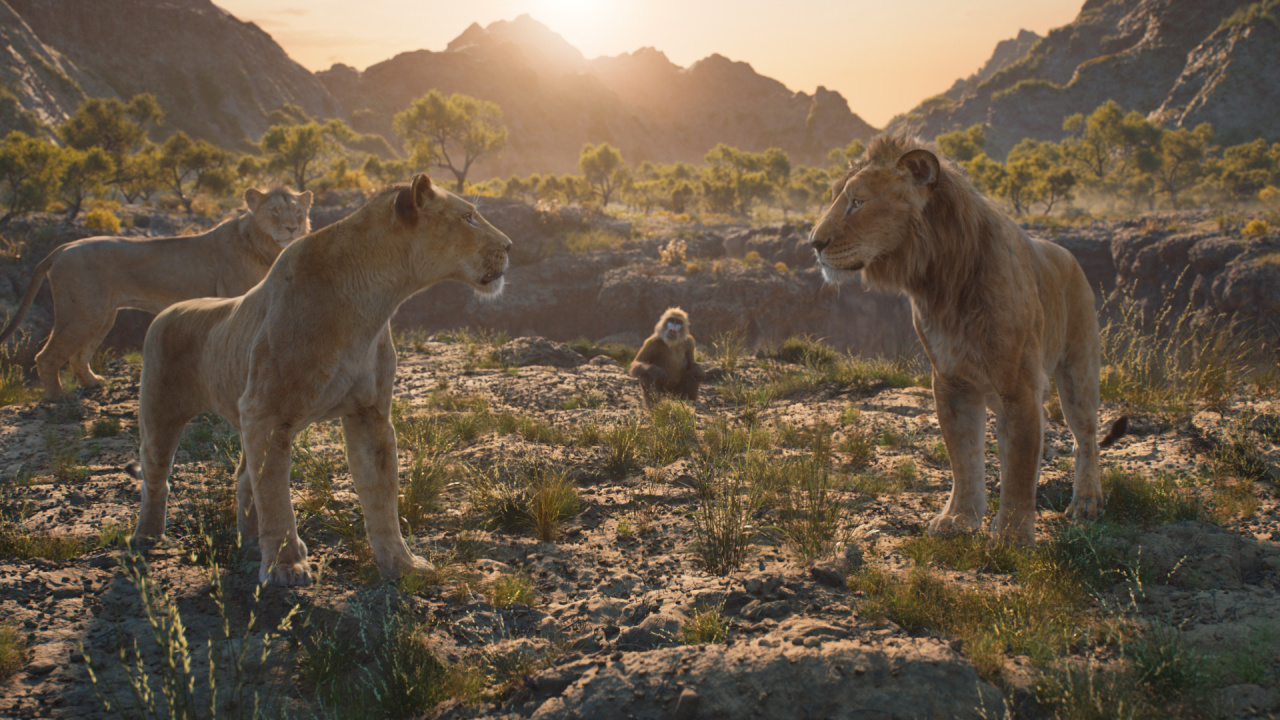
(371, 455)
(267, 453)
(1020, 433)
(962, 416)
(246, 511)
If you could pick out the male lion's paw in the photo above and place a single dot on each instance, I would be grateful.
(286, 574)
(1085, 507)
(954, 524)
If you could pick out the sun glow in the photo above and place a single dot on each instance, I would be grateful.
(589, 25)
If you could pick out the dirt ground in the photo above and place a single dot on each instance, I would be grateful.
(621, 578)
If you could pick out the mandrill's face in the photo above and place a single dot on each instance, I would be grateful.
(671, 330)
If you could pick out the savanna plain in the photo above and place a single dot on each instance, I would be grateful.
(758, 552)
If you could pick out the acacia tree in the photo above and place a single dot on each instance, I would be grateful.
(84, 172)
(1182, 159)
(297, 151)
(117, 128)
(29, 171)
(451, 133)
(189, 166)
(603, 168)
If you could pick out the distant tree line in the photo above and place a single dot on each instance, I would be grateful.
(103, 153)
(1118, 158)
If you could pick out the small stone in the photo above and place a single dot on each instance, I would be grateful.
(687, 705)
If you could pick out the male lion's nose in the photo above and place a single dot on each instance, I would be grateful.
(818, 243)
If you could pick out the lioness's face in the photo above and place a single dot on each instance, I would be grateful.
(871, 215)
(281, 213)
(456, 242)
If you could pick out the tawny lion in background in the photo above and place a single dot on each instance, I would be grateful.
(91, 279)
(995, 310)
(311, 342)
(665, 364)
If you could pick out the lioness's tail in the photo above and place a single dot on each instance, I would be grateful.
(1117, 431)
(33, 287)
(134, 470)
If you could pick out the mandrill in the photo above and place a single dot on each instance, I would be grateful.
(665, 363)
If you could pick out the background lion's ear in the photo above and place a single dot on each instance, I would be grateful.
(253, 198)
(922, 165)
(305, 199)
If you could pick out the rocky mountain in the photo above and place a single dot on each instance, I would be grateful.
(37, 84)
(218, 78)
(215, 76)
(554, 100)
(1006, 53)
(1180, 61)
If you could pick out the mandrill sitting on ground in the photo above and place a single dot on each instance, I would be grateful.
(665, 363)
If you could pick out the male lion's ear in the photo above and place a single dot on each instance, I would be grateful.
(922, 165)
(253, 198)
(305, 199)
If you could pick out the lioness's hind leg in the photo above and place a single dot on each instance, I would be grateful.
(160, 435)
(93, 335)
(49, 361)
(371, 454)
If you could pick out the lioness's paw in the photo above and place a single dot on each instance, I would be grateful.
(1021, 530)
(954, 525)
(145, 541)
(286, 574)
(1085, 507)
(420, 566)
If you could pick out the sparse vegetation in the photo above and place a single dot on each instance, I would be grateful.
(706, 625)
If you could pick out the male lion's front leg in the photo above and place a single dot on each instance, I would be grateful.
(284, 555)
(371, 455)
(962, 415)
(1020, 434)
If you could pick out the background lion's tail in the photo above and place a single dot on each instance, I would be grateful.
(1117, 431)
(33, 287)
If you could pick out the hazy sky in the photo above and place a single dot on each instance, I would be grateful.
(883, 56)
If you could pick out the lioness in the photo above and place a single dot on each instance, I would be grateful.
(91, 279)
(311, 342)
(995, 311)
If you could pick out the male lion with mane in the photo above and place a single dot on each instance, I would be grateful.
(91, 279)
(311, 342)
(995, 310)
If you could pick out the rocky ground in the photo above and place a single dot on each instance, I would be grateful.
(605, 618)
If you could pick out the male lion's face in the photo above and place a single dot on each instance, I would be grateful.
(458, 243)
(280, 213)
(871, 215)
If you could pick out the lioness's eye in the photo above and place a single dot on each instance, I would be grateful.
(470, 219)
(854, 204)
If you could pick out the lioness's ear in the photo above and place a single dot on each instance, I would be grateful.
(305, 199)
(922, 165)
(422, 189)
(253, 198)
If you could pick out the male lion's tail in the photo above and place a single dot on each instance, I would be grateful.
(1117, 431)
(33, 287)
